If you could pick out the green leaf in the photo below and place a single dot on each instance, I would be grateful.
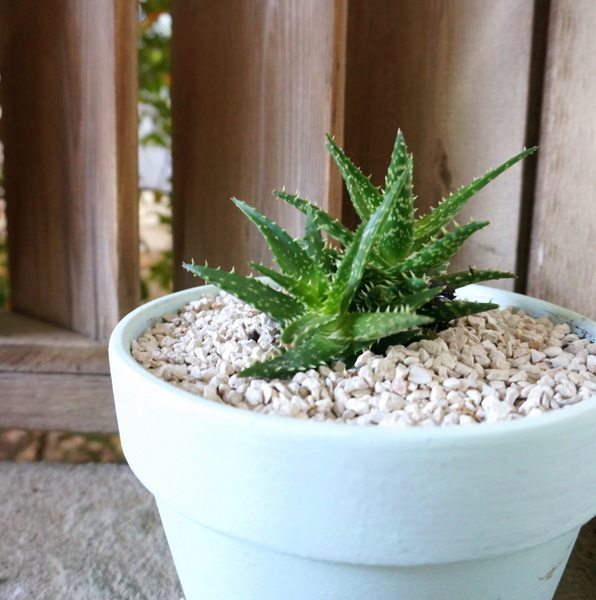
(305, 327)
(400, 161)
(462, 278)
(299, 289)
(364, 195)
(313, 241)
(323, 220)
(417, 299)
(351, 268)
(449, 310)
(314, 244)
(441, 250)
(397, 235)
(292, 258)
(433, 222)
(279, 306)
(403, 338)
(396, 296)
(370, 327)
(339, 297)
(313, 352)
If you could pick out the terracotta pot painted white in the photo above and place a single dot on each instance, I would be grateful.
(260, 507)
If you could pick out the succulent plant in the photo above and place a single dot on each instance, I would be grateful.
(386, 282)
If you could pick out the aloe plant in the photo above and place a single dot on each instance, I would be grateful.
(386, 282)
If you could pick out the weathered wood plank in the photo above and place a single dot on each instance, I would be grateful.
(62, 402)
(126, 253)
(563, 250)
(31, 346)
(71, 210)
(69, 104)
(455, 77)
(52, 378)
(47, 358)
(255, 86)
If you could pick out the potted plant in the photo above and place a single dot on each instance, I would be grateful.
(260, 506)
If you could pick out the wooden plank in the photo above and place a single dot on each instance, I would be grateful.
(72, 224)
(562, 268)
(52, 378)
(255, 86)
(57, 402)
(127, 169)
(454, 76)
(31, 346)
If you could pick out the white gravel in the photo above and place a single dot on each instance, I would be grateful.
(490, 367)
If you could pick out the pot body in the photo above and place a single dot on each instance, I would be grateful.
(261, 507)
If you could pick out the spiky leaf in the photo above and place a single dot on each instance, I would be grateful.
(383, 297)
(279, 306)
(364, 195)
(433, 222)
(307, 326)
(463, 278)
(307, 294)
(455, 309)
(323, 220)
(292, 258)
(313, 352)
(397, 234)
(370, 327)
(400, 161)
(350, 271)
(313, 241)
(440, 251)
(314, 244)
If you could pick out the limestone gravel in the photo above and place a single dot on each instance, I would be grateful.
(494, 366)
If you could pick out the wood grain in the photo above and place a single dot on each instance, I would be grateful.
(51, 378)
(563, 248)
(126, 254)
(255, 86)
(69, 129)
(454, 76)
(31, 346)
(59, 402)
(70, 160)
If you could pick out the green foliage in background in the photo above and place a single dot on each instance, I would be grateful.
(154, 95)
(154, 70)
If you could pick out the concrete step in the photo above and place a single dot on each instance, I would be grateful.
(80, 532)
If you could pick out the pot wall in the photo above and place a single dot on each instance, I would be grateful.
(359, 496)
(249, 571)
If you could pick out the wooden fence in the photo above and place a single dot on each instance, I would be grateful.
(255, 86)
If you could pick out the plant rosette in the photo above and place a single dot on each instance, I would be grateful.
(262, 507)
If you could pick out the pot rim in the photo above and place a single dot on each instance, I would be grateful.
(138, 320)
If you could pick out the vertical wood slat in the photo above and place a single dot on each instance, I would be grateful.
(563, 264)
(255, 86)
(70, 160)
(454, 76)
(126, 256)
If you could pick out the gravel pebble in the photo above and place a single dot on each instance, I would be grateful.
(491, 367)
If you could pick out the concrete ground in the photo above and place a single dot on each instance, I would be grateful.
(80, 532)
(92, 532)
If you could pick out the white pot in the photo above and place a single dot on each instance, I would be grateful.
(260, 507)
